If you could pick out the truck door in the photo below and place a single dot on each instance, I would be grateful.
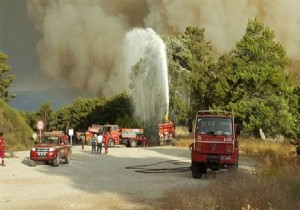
(63, 147)
(115, 133)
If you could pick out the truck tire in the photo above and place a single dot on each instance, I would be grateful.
(111, 143)
(127, 144)
(56, 161)
(67, 159)
(196, 170)
(32, 163)
(233, 167)
(133, 143)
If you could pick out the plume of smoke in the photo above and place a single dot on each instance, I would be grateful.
(82, 43)
(83, 40)
(225, 21)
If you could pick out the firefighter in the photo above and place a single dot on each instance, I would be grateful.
(144, 141)
(2, 148)
(105, 138)
(82, 137)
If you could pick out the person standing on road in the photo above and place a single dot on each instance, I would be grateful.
(105, 138)
(2, 148)
(99, 143)
(93, 143)
(82, 138)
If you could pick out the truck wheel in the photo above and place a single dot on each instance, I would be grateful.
(133, 143)
(32, 163)
(56, 161)
(196, 170)
(67, 159)
(111, 143)
(127, 144)
(203, 168)
(233, 167)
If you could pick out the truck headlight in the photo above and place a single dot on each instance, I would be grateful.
(33, 149)
(51, 149)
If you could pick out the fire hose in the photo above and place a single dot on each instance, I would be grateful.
(144, 169)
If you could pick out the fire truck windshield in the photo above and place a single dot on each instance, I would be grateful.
(49, 140)
(214, 126)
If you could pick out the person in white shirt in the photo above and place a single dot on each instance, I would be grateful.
(99, 143)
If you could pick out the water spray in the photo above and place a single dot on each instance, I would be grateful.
(143, 47)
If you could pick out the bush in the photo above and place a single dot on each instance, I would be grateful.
(17, 132)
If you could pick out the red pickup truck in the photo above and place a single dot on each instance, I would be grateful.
(51, 147)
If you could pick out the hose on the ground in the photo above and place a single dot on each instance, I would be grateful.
(144, 169)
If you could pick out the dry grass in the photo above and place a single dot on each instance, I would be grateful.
(275, 186)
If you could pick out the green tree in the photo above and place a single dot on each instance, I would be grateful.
(115, 107)
(251, 80)
(30, 118)
(81, 111)
(5, 78)
(190, 58)
(179, 77)
(62, 118)
(45, 113)
(199, 63)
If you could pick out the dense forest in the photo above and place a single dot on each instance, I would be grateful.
(251, 80)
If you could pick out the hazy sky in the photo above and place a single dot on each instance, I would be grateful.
(79, 43)
(18, 39)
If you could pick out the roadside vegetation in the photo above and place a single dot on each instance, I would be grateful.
(17, 132)
(273, 185)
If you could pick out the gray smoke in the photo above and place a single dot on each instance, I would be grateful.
(83, 40)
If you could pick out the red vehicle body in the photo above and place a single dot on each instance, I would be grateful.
(166, 133)
(131, 137)
(215, 143)
(51, 147)
(93, 129)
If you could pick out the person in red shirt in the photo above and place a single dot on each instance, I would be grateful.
(105, 139)
(2, 148)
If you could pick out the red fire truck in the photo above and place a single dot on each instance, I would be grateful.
(131, 137)
(215, 143)
(51, 147)
(166, 133)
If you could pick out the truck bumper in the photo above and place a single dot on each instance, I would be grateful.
(49, 156)
(222, 159)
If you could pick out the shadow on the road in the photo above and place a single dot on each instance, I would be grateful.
(146, 173)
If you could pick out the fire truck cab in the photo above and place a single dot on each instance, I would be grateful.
(215, 144)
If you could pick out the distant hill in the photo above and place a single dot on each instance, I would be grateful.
(32, 100)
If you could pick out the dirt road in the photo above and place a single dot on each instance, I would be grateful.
(126, 178)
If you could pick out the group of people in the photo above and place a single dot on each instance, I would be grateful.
(96, 143)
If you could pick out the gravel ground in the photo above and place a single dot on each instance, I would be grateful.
(125, 178)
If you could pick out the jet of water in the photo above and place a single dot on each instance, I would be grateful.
(150, 85)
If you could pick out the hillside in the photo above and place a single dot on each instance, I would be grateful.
(17, 132)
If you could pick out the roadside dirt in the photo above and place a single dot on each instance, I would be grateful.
(126, 178)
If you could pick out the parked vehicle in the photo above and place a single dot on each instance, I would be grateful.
(131, 137)
(91, 131)
(166, 133)
(215, 143)
(51, 147)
